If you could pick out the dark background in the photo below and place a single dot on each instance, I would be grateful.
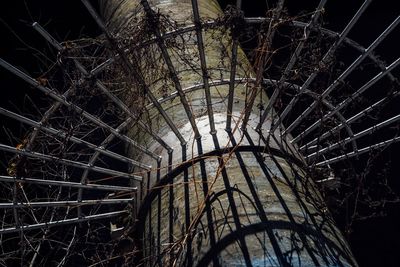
(375, 242)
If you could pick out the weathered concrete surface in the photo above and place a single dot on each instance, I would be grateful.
(251, 203)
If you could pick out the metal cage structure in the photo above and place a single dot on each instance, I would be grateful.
(187, 135)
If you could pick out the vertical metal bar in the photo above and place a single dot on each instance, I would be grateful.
(158, 248)
(235, 213)
(229, 110)
(265, 52)
(150, 236)
(203, 64)
(257, 202)
(171, 208)
(235, 44)
(280, 197)
(207, 203)
(187, 220)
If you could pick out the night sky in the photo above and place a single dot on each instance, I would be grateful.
(375, 242)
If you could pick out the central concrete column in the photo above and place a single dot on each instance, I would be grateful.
(228, 198)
